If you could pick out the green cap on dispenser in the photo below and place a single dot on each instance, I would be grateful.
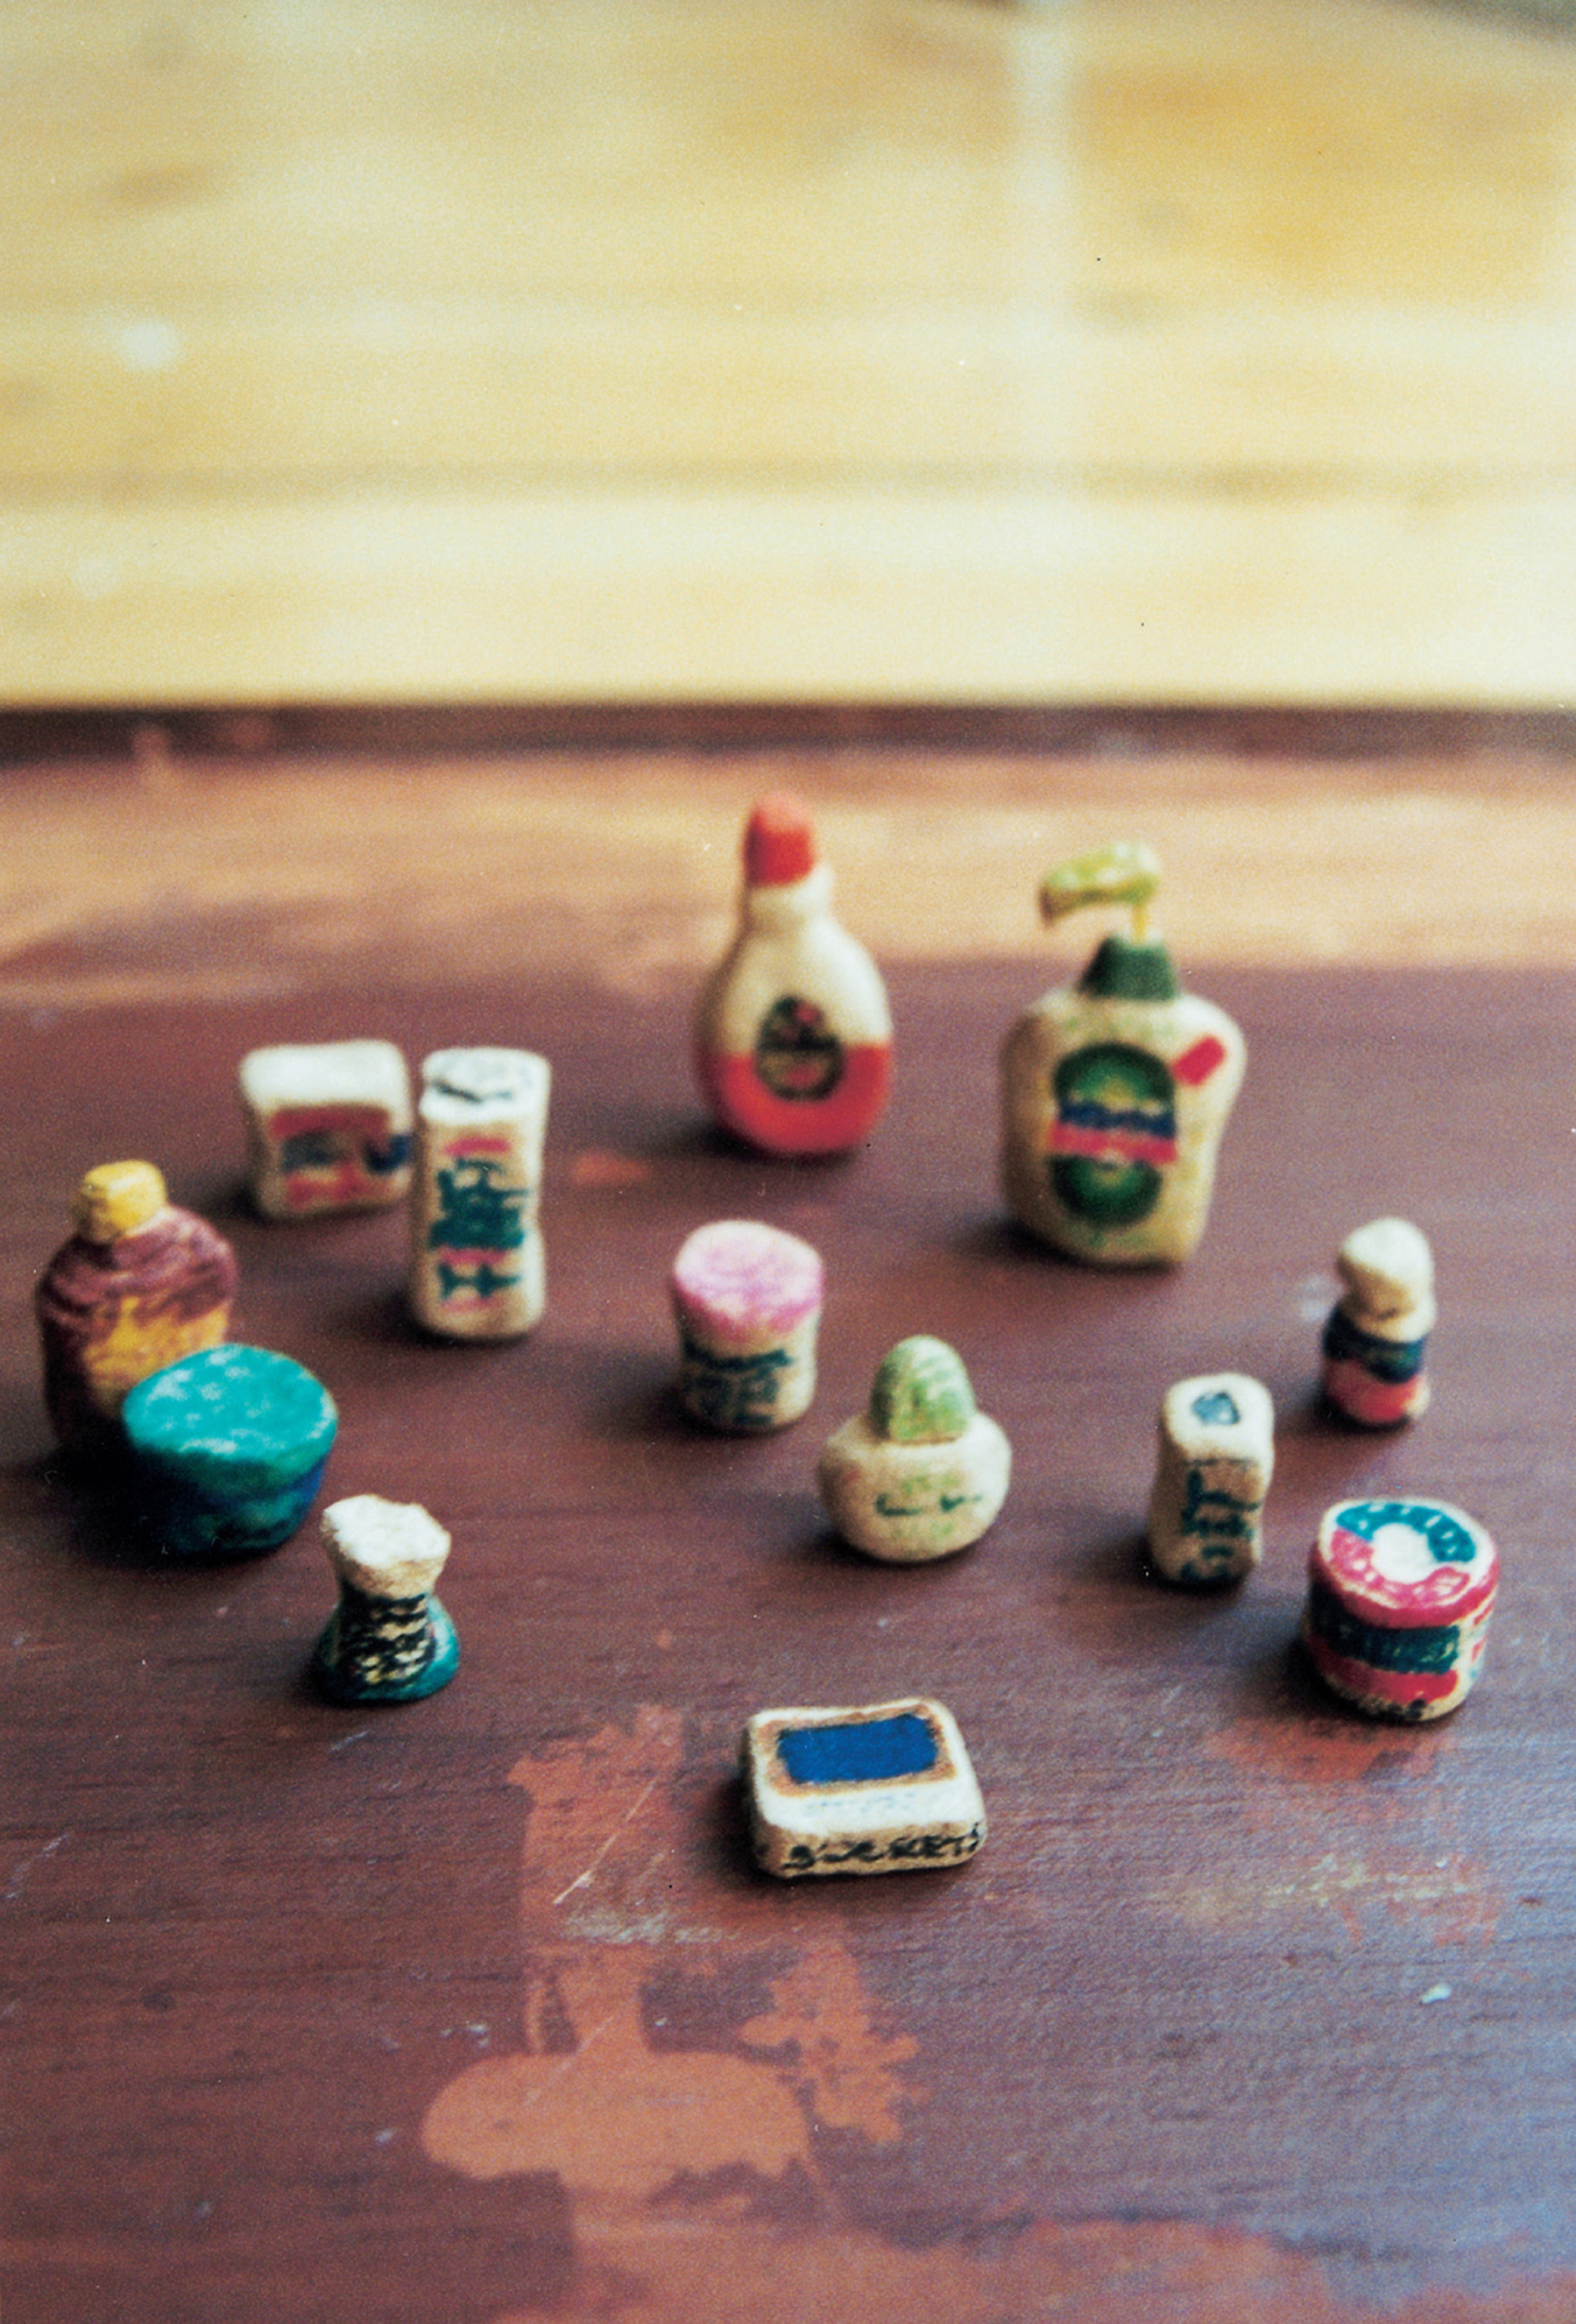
(1136, 967)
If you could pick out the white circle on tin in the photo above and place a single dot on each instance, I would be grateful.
(1402, 1553)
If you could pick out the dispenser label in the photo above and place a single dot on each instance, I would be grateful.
(796, 1055)
(1196, 1065)
(1113, 1132)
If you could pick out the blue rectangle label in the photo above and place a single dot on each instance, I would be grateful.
(858, 1751)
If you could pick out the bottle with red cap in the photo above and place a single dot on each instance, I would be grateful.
(794, 1038)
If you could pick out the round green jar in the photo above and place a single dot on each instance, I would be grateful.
(230, 1446)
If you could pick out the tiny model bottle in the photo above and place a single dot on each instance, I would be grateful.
(1116, 1090)
(1205, 1524)
(793, 1036)
(1376, 1341)
(389, 1639)
(228, 1448)
(747, 1300)
(140, 1284)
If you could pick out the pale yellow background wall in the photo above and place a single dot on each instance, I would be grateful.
(786, 349)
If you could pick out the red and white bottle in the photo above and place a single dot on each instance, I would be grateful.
(794, 1038)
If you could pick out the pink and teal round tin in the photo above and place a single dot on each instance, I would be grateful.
(1400, 1593)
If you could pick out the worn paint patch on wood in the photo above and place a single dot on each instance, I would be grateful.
(691, 2134)
(1408, 1861)
(1099, 2271)
(599, 2093)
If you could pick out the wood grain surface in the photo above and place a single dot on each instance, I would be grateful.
(903, 350)
(472, 2012)
(235, 859)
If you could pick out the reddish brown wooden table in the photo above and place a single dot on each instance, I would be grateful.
(475, 2010)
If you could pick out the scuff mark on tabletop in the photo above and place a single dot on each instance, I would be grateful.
(1096, 2272)
(1394, 1849)
(600, 2093)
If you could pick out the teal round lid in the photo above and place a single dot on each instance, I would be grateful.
(232, 1420)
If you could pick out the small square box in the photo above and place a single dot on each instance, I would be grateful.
(327, 1126)
(881, 1787)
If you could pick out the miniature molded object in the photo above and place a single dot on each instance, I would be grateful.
(327, 1127)
(1116, 1090)
(477, 1266)
(793, 1035)
(139, 1284)
(747, 1299)
(389, 1639)
(1216, 1459)
(922, 1473)
(1400, 1594)
(230, 1446)
(1376, 1341)
(884, 1787)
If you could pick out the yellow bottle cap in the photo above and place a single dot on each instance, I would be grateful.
(117, 1199)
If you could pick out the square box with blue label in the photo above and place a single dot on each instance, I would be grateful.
(880, 1787)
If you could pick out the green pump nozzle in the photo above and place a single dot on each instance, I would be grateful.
(1130, 968)
(1126, 872)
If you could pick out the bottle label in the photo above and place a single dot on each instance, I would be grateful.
(1396, 1360)
(479, 1228)
(739, 1392)
(1113, 1134)
(333, 1155)
(798, 1056)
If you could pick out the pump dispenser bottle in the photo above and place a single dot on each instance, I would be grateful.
(793, 1037)
(1116, 1090)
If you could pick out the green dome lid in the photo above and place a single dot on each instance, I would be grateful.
(921, 1394)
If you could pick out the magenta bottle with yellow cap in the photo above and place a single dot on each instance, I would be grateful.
(141, 1284)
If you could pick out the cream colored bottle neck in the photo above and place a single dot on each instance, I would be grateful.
(775, 911)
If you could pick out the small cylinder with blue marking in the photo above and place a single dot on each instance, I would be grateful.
(747, 1301)
(1400, 1593)
(1216, 1459)
(1377, 1338)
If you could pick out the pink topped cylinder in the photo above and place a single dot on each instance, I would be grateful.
(747, 1298)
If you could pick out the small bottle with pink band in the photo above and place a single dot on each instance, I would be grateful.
(1376, 1337)
(794, 1038)
(747, 1298)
